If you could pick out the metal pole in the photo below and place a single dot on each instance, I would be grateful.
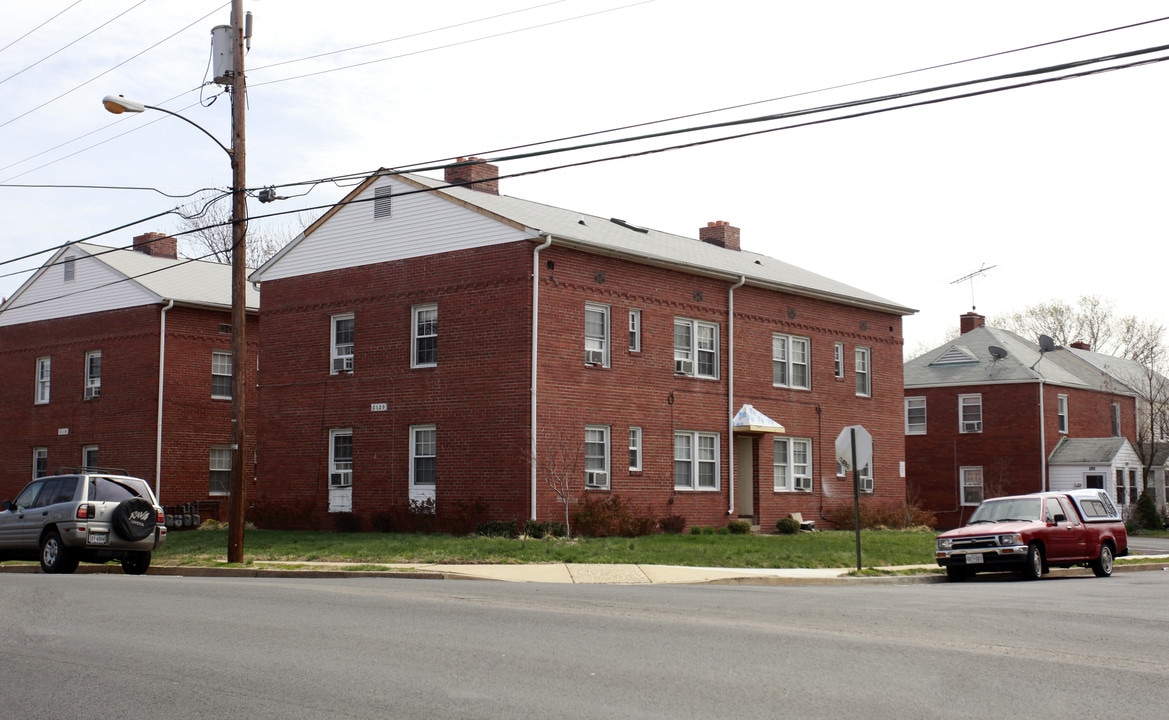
(239, 258)
(856, 497)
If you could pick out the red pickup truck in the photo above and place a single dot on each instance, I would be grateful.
(1034, 533)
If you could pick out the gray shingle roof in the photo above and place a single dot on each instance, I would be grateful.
(1023, 362)
(194, 282)
(1086, 451)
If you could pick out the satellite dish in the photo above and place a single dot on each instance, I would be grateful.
(1046, 344)
(996, 352)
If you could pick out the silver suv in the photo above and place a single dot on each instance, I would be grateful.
(87, 516)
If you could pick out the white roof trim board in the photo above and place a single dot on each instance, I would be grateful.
(748, 419)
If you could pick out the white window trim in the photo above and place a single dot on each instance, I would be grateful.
(343, 468)
(686, 359)
(916, 428)
(39, 453)
(415, 336)
(695, 461)
(44, 378)
(1061, 411)
(792, 482)
(962, 475)
(969, 426)
(92, 382)
(339, 353)
(788, 344)
(594, 343)
(604, 481)
(422, 492)
(864, 370)
(634, 449)
(838, 359)
(634, 331)
(217, 452)
(221, 354)
(85, 453)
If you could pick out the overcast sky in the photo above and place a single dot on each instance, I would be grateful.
(1056, 190)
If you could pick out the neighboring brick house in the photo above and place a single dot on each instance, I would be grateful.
(402, 360)
(85, 345)
(985, 412)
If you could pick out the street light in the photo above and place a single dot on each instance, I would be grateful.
(239, 212)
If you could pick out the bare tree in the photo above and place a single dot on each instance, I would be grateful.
(207, 232)
(559, 464)
(1091, 321)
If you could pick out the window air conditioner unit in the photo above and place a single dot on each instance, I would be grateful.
(866, 484)
(596, 479)
(343, 364)
(92, 391)
(683, 367)
(594, 357)
(972, 426)
(340, 480)
(803, 484)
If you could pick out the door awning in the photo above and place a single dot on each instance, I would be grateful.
(750, 420)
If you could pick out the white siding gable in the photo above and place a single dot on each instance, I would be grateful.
(419, 223)
(95, 287)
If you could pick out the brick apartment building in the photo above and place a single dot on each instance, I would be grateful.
(439, 342)
(991, 413)
(121, 359)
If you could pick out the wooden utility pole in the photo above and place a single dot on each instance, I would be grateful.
(239, 303)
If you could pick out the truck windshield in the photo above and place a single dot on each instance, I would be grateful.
(993, 511)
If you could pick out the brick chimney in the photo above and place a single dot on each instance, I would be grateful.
(971, 321)
(1081, 345)
(158, 245)
(483, 174)
(720, 233)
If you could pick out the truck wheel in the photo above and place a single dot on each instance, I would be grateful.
(1034, 568)
(1102, 566)
(55, 557)
(957, 574)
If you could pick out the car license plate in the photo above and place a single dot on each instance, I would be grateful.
(974, 558)
(98, 538)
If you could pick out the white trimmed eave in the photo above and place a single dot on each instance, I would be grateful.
(594, 249)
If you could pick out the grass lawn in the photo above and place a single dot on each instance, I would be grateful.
(829, 549)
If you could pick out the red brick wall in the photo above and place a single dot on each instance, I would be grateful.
(122, 422)
(1008, 449)
(478, 396)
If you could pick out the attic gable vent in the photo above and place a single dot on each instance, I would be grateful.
(955, 356)
(382, 197)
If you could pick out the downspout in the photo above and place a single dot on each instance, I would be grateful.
(1042, 441)
(535, 360)
(161, 377)
(731, 391)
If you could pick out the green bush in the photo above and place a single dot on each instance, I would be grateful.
(497, 528)
(787, 526)
(672, 524)
(739, 527)
(538, 529)
(1146, 516)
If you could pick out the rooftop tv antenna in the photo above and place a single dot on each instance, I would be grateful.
(980, 271)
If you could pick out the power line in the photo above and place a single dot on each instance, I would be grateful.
(38, 27)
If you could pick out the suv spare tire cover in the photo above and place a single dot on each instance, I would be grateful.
(134, 519)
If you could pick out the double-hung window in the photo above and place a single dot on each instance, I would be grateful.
(596, 456)
(89, 456)
(972, 482)
(44, 371)
(425, 336)
(342, 343)
(793, 465)
(220, 375)
(695, 348)
(696, 461)
(634, 331)
(92, 374)
(915, 416)
(970, 413)
(635, 448)
(1062, 412)
(864, 380)
(596, 335)
(40, 462)
(341, 458)
(220, 474)
(789, 361)
(423, 462)
(838, 360)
